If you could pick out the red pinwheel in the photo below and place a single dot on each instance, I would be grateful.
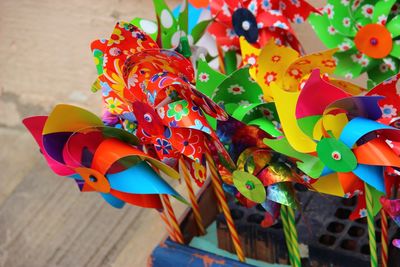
(158, 82)
(258, 21)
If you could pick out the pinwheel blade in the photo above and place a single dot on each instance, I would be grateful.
(141, 179)
(372, 175)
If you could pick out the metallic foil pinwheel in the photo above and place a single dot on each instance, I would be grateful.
(76, 144)
(366, 34)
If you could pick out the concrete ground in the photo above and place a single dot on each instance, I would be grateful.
(44, 60)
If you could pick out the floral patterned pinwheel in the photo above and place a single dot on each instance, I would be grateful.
(241, 97)
(284, 67)
(75, 143)
(366, 34)
(135, 69)
(160, 81)
(258, 21)
(340, 129)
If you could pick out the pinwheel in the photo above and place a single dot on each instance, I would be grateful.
(365, 33)
(287, 69)
(155, 86)
(182, 29)
(257, 166)
(350, 145)
(258, 21)
(75, 143)
(241, 97)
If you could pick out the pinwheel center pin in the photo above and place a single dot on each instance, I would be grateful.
(250, 185)
(245, 24)
(374, 40)
(336, 155)
(94, 179)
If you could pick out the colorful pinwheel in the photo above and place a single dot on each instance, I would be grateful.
(258, 21)
(341, 130)
(365, 33)
(75, 143)
(241, 97)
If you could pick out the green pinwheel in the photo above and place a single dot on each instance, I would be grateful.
(366, 33)
(241, 97)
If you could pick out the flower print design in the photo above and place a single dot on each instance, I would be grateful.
(367, 11)
(178, 110)
(244, 103)
(362, 213)
(270, 77)
(275, 58)
(267, 113)
(364, 32)
(296, 73)
(204, 77)
(388, 111)
(163, 145)
(298, 19)
(158, 75)
(132, 80)
(116, 37)
(113, 105)
(382, 19)
(328, 9)
(198, 125)
(250, 59)
(200, 173)
(344, 46)
(105, 89)
(236, 89)
(331, 30)
(346, 22)
(190, 143)
(265, 4)
(329, 63)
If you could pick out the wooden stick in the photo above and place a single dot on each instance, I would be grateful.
(371, 227)
(286, 232)
(174, 220)
(225, 208)
(384, 238)
(193, 199)
(167, 225)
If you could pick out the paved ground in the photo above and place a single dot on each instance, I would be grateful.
(44, 60)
